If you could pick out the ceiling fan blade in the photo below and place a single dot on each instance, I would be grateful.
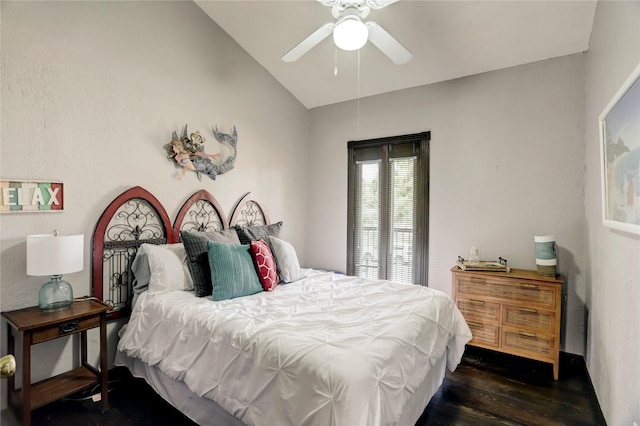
(308, 43)
(387, 44)
(379, 4)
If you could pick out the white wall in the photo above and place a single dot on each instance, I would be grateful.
(91, 91)
(507, 162)
(613, 259)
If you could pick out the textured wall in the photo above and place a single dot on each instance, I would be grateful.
(613, 266)
(507, 162)
(91, 91)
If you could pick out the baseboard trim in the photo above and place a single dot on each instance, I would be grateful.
(577, 362)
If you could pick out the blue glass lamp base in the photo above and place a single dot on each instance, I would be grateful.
(56, 295)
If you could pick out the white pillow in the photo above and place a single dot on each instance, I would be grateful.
(168, 267)
(286, 259)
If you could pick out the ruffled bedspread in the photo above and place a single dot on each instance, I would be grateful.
(326, 350)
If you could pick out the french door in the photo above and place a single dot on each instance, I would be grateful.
(388, 208)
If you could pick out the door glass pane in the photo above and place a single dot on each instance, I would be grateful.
(367, 206)
(400, 265)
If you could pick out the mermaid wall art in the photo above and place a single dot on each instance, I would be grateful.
(188, 153)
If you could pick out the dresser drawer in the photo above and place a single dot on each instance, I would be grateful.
(530, 318)
(484, 334)
(479, 310)
(517, 341)
(56, 330)
(513, 290)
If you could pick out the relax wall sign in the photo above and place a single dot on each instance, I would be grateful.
(17, 196)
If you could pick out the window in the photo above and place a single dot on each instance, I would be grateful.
(388, 208)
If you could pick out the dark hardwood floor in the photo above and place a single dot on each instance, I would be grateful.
(490, 388)
(487, 389)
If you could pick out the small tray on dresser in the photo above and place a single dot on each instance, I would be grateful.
(487, 266)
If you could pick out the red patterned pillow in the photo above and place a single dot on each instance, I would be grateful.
(265, 264)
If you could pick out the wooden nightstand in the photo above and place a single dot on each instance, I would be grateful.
(37, 327)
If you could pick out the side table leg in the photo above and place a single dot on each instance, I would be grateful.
(83, 348)
(103, 362)
(11, 381)
(26, 378)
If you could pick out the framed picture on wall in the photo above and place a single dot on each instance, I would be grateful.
(620, 157)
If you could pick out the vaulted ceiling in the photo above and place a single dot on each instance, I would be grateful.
(448, 39)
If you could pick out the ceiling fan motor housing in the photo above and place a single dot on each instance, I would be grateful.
(343, 10)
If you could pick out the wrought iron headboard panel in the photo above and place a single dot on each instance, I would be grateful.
(133, 218)
(136, 217)
(201, 212)
(248, 211)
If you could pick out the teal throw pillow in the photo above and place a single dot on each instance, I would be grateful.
(232, 271)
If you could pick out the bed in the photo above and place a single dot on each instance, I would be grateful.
(322, 349)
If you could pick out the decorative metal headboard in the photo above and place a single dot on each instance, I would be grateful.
(249, 212)
(136, 217)
(133, 218)
(201, 212)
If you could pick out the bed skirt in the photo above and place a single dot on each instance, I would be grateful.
(206, 412)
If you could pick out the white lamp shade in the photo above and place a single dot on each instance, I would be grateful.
(49, 254)
(350, 34)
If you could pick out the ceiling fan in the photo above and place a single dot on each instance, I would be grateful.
(350, 32)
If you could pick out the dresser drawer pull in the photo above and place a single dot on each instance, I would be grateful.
(528, 286)
(475, 324)
(477, 302)
(477, 280)
(68, 327)
(528, 335)
(528, 310)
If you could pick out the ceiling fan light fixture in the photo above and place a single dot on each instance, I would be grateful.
(350, 33)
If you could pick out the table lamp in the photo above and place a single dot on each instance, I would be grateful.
(54, 255)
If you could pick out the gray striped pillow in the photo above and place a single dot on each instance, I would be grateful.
(246, 234)
(195, 244)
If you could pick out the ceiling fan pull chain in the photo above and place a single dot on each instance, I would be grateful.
(358, 95)
(335, 68)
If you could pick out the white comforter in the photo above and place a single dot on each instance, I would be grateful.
(326, 350)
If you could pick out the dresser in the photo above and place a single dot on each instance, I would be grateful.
(517, 312)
